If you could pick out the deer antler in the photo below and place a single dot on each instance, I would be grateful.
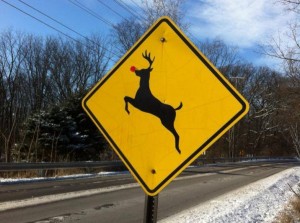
(148, 58)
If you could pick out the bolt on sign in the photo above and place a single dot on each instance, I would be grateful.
(163, 105)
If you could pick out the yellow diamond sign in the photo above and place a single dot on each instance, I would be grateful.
(162, 105)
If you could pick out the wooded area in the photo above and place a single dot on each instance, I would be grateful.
(43, 79)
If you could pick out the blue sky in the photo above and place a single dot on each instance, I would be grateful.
(241, 23)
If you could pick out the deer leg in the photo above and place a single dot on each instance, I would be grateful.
(169, 124)
(132, 101)
(176, 140)
(176, 136)
(127, 99)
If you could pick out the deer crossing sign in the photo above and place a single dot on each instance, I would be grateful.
(163, 105)
(145, 101)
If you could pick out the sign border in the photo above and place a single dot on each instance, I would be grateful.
(213, 70)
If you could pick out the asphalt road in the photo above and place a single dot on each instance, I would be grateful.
(194, 186)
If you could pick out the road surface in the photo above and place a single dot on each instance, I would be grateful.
(194, 186)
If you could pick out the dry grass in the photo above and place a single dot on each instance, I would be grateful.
(20, 174)
(296, 207)
(284, 218)
(48, 173)
(291, 214)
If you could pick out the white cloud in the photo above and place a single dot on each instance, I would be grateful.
(238, 22)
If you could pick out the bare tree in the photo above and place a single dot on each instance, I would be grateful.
(75, 66)
(12, 102)
(36, 73)
(294, 132)
(125, 34)
(128, 31)
(264, 106)
(153, 9)
(100, 56)
(223, 56)
(288, 115)
(286, 45)
(291, 5)
(35, 67)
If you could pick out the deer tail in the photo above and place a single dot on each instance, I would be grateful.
(179, 107)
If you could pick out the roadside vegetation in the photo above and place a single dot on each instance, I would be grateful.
(291, 213)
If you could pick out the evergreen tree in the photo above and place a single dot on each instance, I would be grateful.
(63, 133)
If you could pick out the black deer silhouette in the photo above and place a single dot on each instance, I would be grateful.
(146, 102)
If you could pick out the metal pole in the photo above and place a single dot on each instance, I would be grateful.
(150, 212)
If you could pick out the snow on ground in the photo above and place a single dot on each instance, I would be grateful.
(258, 202)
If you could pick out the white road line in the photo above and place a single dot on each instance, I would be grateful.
(58, 197)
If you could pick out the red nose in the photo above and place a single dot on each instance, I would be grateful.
(132, 68)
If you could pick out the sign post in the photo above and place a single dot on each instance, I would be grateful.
(162, 106)
(151, 206)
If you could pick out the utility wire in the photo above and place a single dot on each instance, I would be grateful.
(54, 20)
(52, 27)
(124, 6)
(94, 14)
(136, 4)
(35, 18)
(91, 12)
(111, 9)
(78, 4)
(132, 10)
(141, 8)
(188, 32)
(117, 2)
(86, 38)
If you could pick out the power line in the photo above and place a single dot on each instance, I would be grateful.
(91, 12)
(52, 27)
(35, 18)
(94, 14)
(134, 11)
(123, 7)
(111, 9)
(136, 4)
(53, 19)
(83, 8)
(66, 26)
(141, 8)
(128, 9)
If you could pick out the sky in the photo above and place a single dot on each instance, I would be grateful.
(244, 24)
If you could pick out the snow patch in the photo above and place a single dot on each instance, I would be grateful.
(6, 181)
(258, 202)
